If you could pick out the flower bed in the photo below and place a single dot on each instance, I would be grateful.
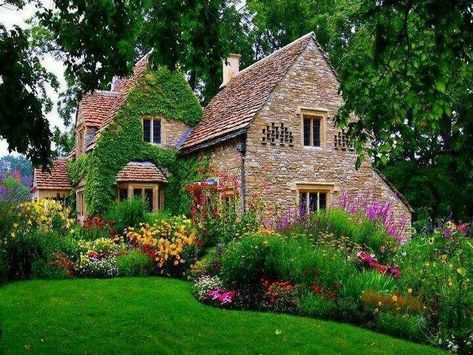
(328, 265)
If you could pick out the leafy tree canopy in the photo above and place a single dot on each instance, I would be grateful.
(23, 94)
(406, 71)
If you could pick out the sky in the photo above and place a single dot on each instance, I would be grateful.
(9, 16)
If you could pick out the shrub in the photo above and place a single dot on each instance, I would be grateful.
(99, 267)
(128, 213)
(358, 282)
(313, 305)
(438, 268)
(392, 302)
(402, 325)
(172, 244)
(134, 263)
(59, 267)
(221, 297)
(209, 264)
(279, 296)
(156, 217)
(358, 228)
(243, 262)
(219, 218)
(3, 266)
(204, 285)
(26, 246)
(95, 228)
(246, 261)
(43, 215)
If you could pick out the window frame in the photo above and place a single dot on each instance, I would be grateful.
(151, 127)
(314, 114)
(157, 192)
(326, 188)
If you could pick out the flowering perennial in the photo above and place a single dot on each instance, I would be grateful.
(376, 211)
(46, 215)
(370, 261)
(221, 297)
(165, 242)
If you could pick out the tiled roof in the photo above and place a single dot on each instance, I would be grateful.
(140, 172)
(121, 90)
(234, 107)
(57, 179)
(96, 106)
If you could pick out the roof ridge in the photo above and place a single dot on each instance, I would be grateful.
(106, 92)
(283, 76)
(310, 34)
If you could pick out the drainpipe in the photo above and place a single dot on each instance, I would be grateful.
(241, 147)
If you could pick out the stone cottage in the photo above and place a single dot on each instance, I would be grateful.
(274, 118)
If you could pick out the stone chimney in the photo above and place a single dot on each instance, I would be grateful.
(231, 66)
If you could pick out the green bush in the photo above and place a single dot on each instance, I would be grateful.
(156, 217)
(243, 262)
(3, 266)
(439, 271)
(402, 325)
(33, 246)
(209, 264)
(358, 282)
(357, 228)
(42, 269)
(128, 213)
(134, 263)
(247, 260)
(312, 305)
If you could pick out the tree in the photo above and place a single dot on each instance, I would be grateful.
(10, 163)
(23, 95)
(100, 39)
(63, 141)
(406, 72)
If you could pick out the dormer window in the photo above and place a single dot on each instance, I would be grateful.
(152, 130)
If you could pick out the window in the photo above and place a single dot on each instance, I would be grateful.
(153, 194)
(152, 130)
(312, 130)
(123, 194)
(312, 201)
(137, 193)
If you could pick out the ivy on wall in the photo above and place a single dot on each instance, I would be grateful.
(158, 93)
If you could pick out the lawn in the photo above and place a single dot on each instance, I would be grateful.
(159, 315)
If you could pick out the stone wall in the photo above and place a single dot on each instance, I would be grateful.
(172, 131)
(309, 84)
(225, 157)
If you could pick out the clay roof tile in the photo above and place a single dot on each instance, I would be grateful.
(140, 172)
(234, 107)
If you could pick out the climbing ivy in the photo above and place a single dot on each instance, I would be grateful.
(158, 93)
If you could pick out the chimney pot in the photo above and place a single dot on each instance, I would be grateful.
(231, 66)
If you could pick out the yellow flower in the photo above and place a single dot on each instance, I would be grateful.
(409, 290)
(394, 298)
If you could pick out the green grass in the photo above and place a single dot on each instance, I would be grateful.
(158, 315)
